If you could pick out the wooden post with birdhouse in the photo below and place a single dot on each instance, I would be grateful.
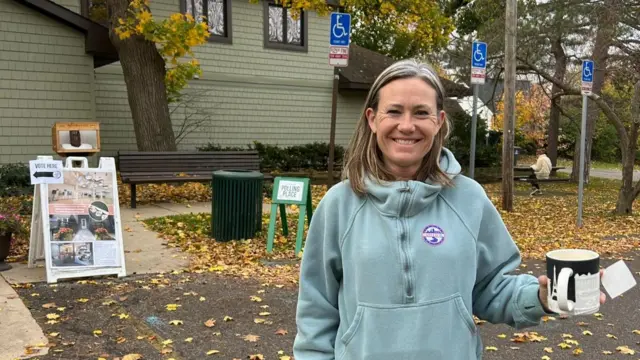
(75, 138)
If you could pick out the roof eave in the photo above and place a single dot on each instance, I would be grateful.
(346, 84)
(97, 42)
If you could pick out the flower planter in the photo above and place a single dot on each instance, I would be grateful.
(5, 246)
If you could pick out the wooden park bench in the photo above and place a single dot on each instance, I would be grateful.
(533, 181)
(175, 167)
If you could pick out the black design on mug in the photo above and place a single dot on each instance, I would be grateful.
(574, 281)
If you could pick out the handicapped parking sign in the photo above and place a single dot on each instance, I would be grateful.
(587, 71)
(340, 29)
(587, 76)
(479, 55)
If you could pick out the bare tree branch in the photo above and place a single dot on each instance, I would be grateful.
(606, 109)
(193, 116)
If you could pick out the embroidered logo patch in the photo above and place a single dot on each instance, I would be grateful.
(433, 235)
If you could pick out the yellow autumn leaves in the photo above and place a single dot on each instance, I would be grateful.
(175, 37)
(531, 112)
(568, 342)
(541, 224)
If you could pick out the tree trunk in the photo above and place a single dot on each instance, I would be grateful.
(554, 115)
(607, 23)
(628, 192)
(144, 71)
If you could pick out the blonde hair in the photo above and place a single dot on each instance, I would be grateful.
(363, 156)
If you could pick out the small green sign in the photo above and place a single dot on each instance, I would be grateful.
(289, 191)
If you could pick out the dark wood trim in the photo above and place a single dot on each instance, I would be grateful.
(97, 42)
(304, 47)
(228, 26)
(345, 85)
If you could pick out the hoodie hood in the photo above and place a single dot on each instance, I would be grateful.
(407, 198)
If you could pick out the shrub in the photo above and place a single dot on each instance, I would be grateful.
(10, 223)
(15, 180)
(487, 152)
(313, 156)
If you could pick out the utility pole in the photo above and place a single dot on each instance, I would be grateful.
(511, 23)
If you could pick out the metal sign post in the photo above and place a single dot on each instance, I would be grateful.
(339, 40)
(478, 75)
(587, 85)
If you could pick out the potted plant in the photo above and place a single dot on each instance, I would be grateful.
(9, 225)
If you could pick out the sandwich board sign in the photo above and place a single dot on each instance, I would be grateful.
(289, 191)
(75, 222)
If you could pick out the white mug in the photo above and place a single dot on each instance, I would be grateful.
(574, 281)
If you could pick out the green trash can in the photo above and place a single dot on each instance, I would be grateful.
(236, 206)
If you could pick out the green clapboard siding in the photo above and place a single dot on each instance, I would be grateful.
(246, 92)
(73, 5)
(45, 76)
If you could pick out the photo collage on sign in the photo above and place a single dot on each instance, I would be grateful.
(81, 220)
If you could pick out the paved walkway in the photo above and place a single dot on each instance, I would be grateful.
(607, 174)
(18, 328)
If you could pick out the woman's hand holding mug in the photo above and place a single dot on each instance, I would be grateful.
(572, 283)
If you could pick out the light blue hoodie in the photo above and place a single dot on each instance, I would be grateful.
(396, 275)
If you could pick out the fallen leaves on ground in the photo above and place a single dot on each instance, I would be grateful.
(153, 193)
(539, 224)
(245, 258)
(132, 357)
(251, 338)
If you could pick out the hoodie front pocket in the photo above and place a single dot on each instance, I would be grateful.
(438, 329)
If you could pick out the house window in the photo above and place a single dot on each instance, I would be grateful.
(218, 17)
(283, 31)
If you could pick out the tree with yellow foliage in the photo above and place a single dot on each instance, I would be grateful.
(152, 51)
(532, 114)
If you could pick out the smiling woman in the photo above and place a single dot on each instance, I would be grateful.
(406, 123)
(402, 253)
(404, 114)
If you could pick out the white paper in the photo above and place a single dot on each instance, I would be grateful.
(618, 279)
(290, 190)
(46, 171)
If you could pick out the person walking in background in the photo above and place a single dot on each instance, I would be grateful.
(541, 170)
(404, 251)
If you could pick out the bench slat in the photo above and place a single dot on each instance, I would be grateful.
(164, 167)
(153, 167)
(182, 155)
(161, 153)
(188, 162)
